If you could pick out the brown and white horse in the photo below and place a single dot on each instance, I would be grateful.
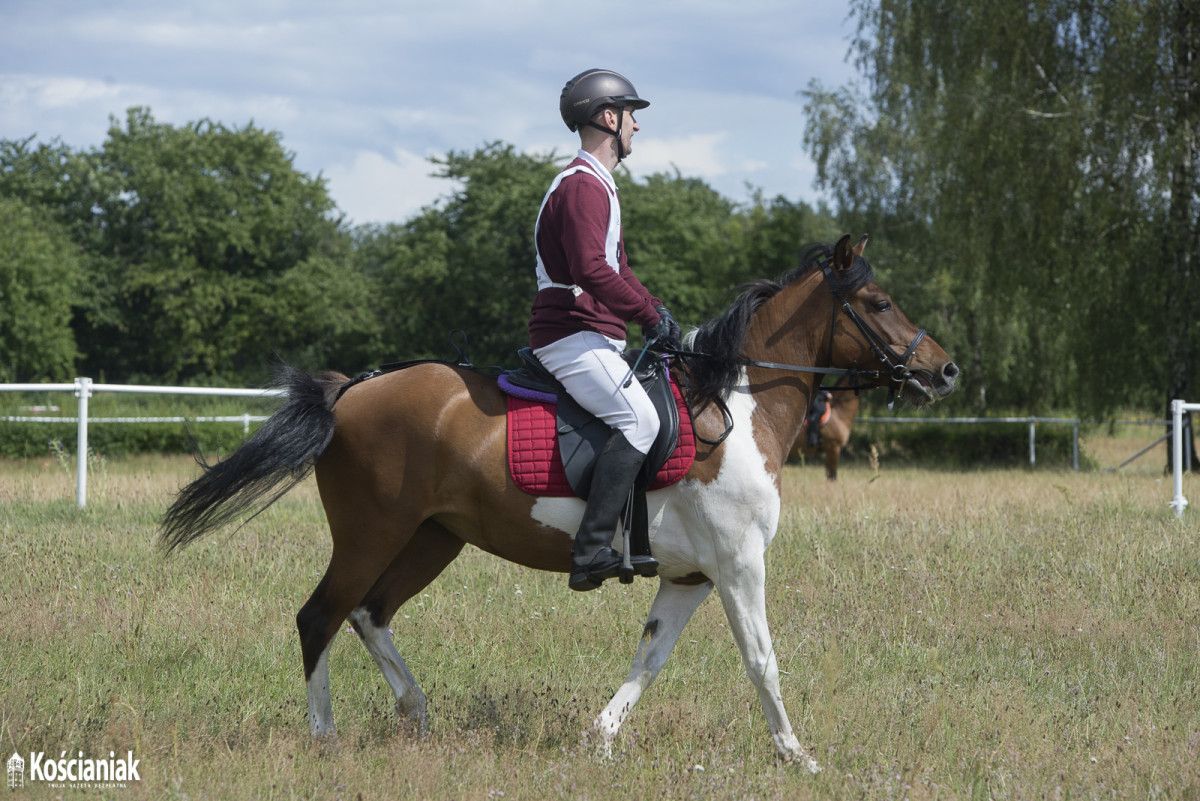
(411, 467)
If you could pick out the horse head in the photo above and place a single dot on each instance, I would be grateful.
(872, 335)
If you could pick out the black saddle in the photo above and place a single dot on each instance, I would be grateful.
(581, 435)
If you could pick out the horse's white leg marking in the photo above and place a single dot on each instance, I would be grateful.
(672, 608)
(320, 707)
(410, 699)
(744, 597)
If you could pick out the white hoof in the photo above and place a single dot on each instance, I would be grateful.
(598, 744)
(411, 708)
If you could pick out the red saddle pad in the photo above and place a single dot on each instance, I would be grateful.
(536, 466)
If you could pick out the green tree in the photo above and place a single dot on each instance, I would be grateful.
(209, 254)
(685, 243)
(465, 263)
(39, 267)
(1034, 166)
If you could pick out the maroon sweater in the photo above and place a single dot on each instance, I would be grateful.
(571, 236)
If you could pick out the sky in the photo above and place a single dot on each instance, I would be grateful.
(364, 92)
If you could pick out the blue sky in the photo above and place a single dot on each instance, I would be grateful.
(363, 92)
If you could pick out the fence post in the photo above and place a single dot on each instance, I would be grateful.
(83, 391)
(1179, 503)
(1032, 443)
(1075, 446)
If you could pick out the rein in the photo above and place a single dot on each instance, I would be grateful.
(896, 365)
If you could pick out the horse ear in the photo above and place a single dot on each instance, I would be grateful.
(842, 253)
(861, 246)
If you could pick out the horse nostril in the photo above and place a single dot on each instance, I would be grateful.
(950, 371)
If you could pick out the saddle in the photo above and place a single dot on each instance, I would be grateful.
(553, 442)
(580, 436)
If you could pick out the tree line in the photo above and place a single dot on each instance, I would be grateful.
(1028, 174)
(200, 254)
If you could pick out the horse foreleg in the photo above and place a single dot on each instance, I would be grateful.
(831, 462)
(744, 599)
(672, 608)
(431, 549)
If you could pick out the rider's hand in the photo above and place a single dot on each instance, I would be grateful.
(663, 335)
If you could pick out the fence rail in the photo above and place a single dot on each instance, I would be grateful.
(1033, 424)
(84, 388)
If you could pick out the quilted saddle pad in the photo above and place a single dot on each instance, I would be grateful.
(536, 466)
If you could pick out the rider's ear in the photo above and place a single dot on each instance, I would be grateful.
(842, 254)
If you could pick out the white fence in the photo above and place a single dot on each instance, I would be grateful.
(1178, 460)
(84, 388)
(1032, 421)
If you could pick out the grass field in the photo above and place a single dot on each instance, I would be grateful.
(990, 634)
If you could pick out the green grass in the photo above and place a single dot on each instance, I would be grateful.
(994, 634)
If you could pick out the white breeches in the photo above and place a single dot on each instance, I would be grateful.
(590, 367)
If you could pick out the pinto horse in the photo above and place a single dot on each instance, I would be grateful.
(833, 433)
(411, 467)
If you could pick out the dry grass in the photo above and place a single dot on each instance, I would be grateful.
(993, 634)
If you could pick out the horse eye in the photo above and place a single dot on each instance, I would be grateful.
(883, 305)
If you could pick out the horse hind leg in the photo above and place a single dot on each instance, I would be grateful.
(354, 565)
(431, 549)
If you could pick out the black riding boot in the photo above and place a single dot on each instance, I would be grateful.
(593, 559)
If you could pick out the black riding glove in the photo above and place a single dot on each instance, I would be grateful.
(663, 335)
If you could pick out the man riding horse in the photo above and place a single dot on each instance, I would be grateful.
(586, 294)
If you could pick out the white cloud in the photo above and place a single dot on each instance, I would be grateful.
(694, 155)
(384, 189)
(357, 88)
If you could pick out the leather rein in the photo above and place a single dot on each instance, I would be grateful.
(896, 365)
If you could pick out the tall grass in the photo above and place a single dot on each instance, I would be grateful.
(1008, 634)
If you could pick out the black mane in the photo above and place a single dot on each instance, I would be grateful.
(718, 343)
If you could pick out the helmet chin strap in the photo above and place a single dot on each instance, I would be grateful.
(620, 140)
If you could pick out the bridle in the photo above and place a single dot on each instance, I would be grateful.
(895, 365)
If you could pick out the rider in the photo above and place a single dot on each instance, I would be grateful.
(586, 295)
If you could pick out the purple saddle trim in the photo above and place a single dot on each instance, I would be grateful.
(509, 388)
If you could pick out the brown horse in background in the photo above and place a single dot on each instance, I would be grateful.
(411, 467)
(833, 434)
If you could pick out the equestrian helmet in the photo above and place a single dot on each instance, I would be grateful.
(591, 90)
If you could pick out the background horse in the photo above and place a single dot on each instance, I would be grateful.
(411, 467)
(832, 435)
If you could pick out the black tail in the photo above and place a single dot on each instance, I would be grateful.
(279, 456)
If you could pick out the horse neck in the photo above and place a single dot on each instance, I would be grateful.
(791, 328)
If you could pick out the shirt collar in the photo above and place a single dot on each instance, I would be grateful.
(600, 169)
